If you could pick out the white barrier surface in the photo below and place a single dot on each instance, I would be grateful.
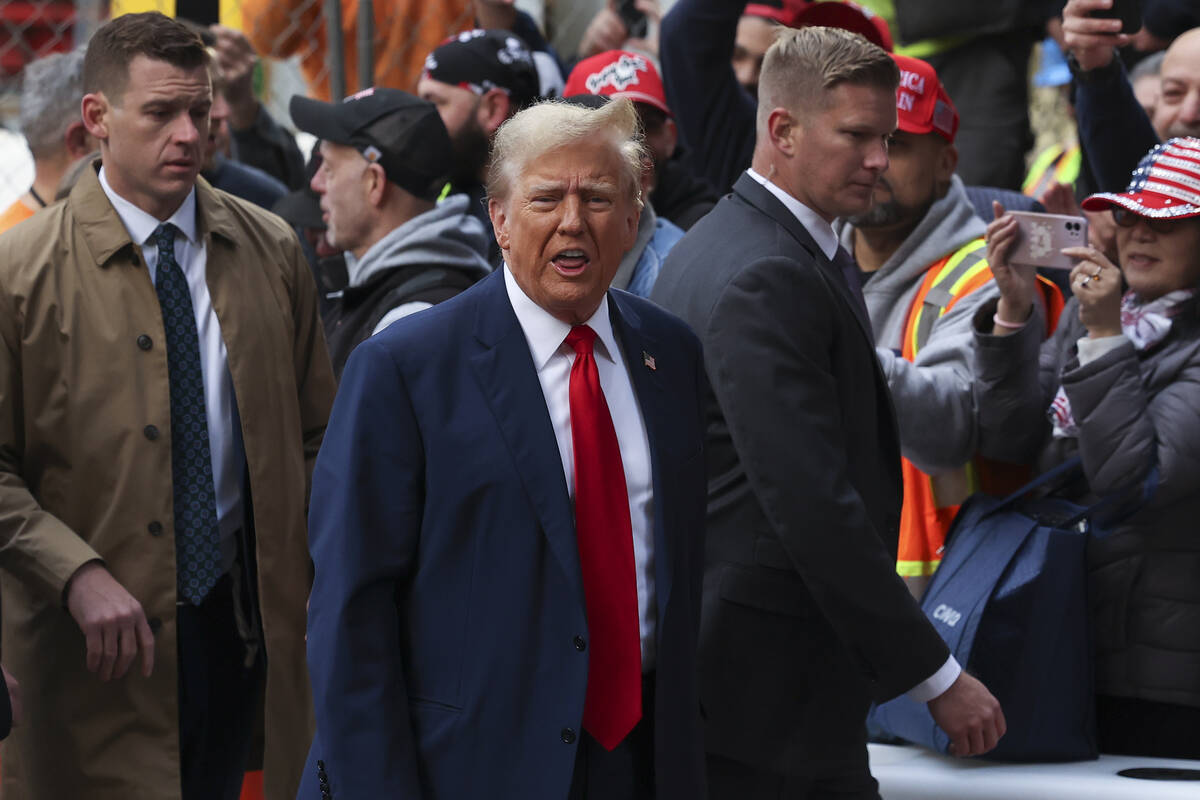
(913, 773)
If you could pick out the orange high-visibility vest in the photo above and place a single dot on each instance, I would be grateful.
(931, 501)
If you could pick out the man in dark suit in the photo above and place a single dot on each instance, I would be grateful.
(507, 516)
(805, 620)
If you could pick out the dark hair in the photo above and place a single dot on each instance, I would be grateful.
(118, 42)
(652, 118)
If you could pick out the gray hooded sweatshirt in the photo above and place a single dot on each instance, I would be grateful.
(446, 236)
(933, 395)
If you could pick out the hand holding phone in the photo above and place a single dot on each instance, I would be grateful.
(1128, 11)
(1042, 237)
(634, 19)
(1091, 39)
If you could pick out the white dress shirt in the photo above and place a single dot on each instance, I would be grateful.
(553, 358)
(190, 254)
(823, 233)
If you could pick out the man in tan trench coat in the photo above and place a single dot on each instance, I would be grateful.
(92, 432)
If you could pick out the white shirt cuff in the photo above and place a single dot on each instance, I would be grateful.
(1091, 349)
(936, 684)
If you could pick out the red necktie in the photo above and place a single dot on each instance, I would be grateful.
(613, 703)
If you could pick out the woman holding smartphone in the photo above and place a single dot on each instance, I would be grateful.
(1119, 385)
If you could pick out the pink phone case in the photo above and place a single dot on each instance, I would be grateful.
(1042, 237)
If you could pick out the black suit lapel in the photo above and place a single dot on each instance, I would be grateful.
(507, 375)
(757, 195)
(641, 351)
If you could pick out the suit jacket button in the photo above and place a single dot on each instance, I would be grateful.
(150, 432)
(155, 528)
(145, 342)
(568, 736)
(580, 643)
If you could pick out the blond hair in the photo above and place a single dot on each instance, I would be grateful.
(554, 124)
(804, 64)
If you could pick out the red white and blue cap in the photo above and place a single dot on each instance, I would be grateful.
(1165, 185)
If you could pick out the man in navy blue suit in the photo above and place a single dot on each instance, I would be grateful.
(507, 513)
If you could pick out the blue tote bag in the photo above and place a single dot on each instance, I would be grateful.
(1010, 600)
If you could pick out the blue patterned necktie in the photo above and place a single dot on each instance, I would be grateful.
(197, 543)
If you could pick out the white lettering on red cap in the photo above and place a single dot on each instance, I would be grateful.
(904, 101)
(621, 74)
(913, 81)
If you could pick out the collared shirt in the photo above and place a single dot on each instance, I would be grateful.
(826, 239)
(190, 254)
(821, 231)
(553, 358)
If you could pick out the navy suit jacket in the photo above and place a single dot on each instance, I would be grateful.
(447, 631)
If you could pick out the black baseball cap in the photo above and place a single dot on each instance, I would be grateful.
(390, 127)
(480, 60)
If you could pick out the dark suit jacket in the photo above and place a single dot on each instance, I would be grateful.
(443, 635)
(804, 619)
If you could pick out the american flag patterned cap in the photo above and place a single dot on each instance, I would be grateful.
(1165, 185)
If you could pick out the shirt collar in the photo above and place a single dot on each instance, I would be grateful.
(821, 231)
(141, 226)
(545, 333)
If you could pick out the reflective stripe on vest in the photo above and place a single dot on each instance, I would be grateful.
(1053, 165)
(930, 503)
(945, 283)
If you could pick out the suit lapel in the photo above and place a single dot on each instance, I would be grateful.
(752, 192)
(641, 349)
(757, 195)
(507, 375)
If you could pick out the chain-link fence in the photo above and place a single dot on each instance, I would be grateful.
(30, 29)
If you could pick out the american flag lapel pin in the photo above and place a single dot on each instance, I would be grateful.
(648, 360)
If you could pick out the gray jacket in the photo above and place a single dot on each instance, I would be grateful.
(1137, 415)
(444, 236)
(932, 395)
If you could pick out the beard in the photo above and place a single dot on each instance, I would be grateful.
(890, 213)
(471, 147)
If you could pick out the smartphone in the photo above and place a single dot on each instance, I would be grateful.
(1128, 11)
(1041, 238)
(635, 21)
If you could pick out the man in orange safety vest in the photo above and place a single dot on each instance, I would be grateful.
(922, 257)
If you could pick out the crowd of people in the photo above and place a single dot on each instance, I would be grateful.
(580, 425)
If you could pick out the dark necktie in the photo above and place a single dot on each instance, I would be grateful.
(197, 543)
(613, 704)
(853, 276)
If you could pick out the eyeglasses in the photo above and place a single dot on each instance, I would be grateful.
(1127, 219)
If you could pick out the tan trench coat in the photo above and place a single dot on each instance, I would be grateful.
(79, 480)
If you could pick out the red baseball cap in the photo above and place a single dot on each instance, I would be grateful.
(619, 73)
(782, 11)
(848, 16)
(922, 105)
